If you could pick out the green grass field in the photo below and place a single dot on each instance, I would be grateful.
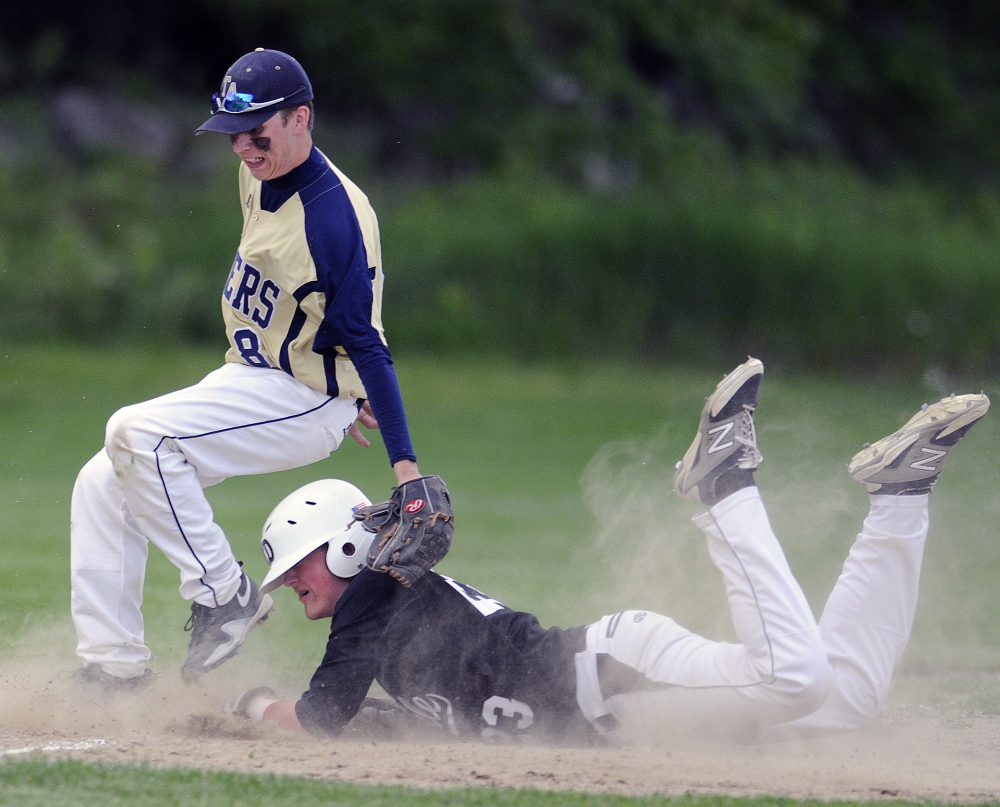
(560, 477)
(76, 785)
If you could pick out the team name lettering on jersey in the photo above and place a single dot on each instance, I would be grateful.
(249, 294)
(433, 709)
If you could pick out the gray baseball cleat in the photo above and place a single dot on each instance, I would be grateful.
(217, 633)
(724, 454)
(907, 462)
(93, 680)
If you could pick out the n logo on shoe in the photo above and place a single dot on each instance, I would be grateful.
(721, 433)
(924, 464)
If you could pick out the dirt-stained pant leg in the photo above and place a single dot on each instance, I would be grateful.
(674, 683)
(868, 617)
(148, 484)
(107, 572)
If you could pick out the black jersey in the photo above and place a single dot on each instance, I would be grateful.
(448, 654)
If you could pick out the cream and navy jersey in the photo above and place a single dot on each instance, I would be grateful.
(449, 655)
(305, 291)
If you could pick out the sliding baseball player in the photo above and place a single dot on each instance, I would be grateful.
(468, 665)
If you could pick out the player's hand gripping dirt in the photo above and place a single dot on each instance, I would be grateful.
(413, 529)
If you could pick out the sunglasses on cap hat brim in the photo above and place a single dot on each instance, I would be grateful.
(237, 102)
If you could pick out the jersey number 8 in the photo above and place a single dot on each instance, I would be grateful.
(247, 342)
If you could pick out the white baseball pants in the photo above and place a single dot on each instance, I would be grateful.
(148, 485)
(642, 675)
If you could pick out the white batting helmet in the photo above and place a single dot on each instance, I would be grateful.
(315, 514)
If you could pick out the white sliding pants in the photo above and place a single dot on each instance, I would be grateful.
(148, 483)
(647, 676)
(868, 617)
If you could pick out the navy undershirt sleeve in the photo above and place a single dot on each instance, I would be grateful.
(379, 377)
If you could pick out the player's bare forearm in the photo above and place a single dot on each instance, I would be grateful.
(283, 713)
(406, 470)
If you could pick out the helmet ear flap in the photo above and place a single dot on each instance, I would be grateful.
(336, 551)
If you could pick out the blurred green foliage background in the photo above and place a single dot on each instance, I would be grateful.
(814, 181)
(589, 210)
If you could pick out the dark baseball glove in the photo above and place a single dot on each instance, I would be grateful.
(413, 529)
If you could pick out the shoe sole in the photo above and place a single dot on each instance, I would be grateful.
(945, 417)
(724, 391)
(237, 630)
(731, 384)
(109, 686)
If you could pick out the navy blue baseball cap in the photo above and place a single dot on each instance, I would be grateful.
(254, 88)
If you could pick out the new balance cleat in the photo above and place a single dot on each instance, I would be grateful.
(909, 461)
(217, 633)
(724, 454)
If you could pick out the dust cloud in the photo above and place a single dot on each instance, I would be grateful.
(917, 750)
(914, 753)
(937, 739)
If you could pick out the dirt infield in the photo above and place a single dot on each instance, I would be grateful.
(913, 752)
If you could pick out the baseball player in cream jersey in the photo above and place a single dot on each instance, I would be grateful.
(465, 664)
(307, 359)
(289, 295)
